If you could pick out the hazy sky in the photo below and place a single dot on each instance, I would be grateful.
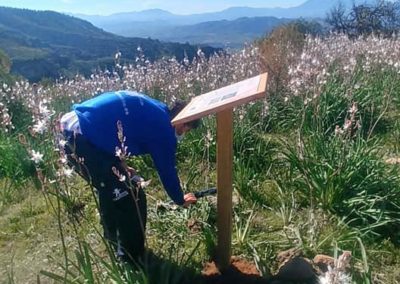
(106, 7)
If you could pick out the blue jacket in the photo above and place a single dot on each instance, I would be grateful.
(146, 125)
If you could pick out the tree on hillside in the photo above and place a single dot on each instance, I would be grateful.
(277, 51)
(382, 18)
(338, 18)
(281, 47)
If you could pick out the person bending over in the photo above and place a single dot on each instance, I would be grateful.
(93, 134)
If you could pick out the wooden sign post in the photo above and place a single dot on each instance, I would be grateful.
(222, 101)
(224, 186)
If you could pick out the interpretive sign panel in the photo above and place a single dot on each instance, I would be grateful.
(222, 101)
(223, 98)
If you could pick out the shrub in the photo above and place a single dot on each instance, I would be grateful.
(349, 178)
(278, 51)
(14, 163)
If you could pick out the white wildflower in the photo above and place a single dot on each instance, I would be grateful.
(44, 110)
(68, 172)
(347, 124)
(36, 157)
(63, 160)
(121, 178)
(121, 152)
(337, 274)
(62, 143)
(40, 127)
(338, 130)
(353, 109)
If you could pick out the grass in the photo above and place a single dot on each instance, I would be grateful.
(27, 238)
(258, 232)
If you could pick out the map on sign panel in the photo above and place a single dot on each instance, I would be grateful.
(223, 98)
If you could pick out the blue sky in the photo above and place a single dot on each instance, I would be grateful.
(106, 7)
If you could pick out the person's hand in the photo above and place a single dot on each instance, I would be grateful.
(189, 199)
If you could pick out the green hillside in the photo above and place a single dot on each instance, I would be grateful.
(49, 44)
(224, 33)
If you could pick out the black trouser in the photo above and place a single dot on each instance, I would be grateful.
(123, 207)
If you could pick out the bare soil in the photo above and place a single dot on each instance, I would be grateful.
(239, 272)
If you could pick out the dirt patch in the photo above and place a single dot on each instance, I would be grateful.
(239, 272)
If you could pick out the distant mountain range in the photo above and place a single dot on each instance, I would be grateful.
(217, 28)
(224, 33)
(232, 33)
(49, 44)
